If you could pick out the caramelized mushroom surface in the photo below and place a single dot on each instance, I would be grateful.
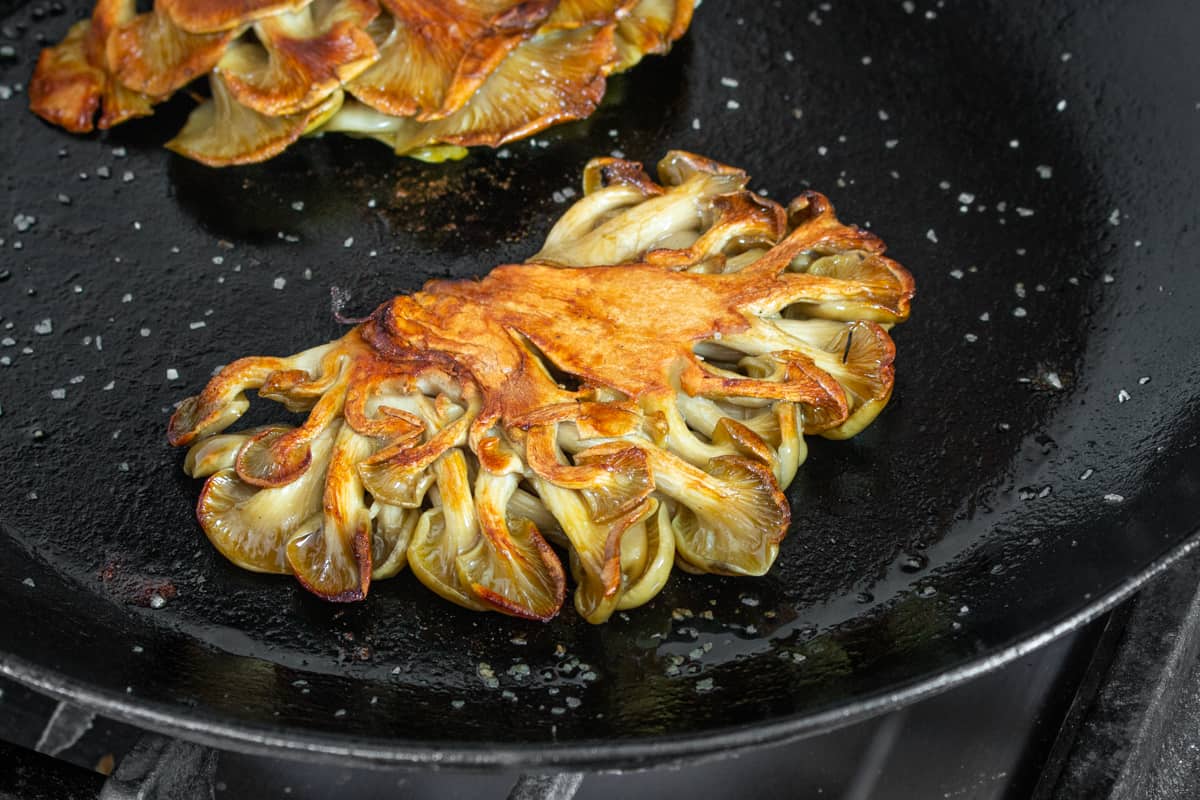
(426, 78)
(636, 393)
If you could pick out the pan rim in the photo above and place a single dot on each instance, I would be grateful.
(596, 755)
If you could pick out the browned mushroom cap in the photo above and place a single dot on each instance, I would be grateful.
(251, 526)
(625, 215)
(548, 79)
(332, 559)
(858, 355)
(651, 27)
(210, 16)
(149, 54)
(730, 518)
(72, 81)
(219, 452)
(573, 13)
(300, 57)
(511, 569)
(65, 89)
(221, 132)
(434, 56)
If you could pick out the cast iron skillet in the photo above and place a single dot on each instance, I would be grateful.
(1038, 172)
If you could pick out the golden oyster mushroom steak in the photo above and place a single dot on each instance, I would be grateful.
(633, 398)
(428, 79)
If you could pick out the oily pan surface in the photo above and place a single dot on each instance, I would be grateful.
(955, 525)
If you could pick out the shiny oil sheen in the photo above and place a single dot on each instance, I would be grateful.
(1039, 174)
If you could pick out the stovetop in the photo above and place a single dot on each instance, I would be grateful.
(1110, 710)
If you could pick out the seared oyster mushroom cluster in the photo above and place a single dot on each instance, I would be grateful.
(427, 78)
(635, 394)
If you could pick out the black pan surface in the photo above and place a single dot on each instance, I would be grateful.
(1037, 169)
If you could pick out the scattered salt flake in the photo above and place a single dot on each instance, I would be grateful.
(931, 235)
(1112, 497)
(1024, 212)
(457, 704)
(341, 712)
(1014, 143)
(29, 582)
(58, 394)
(787, 54)
(730, 82)
(966, 198)
(1123, 396)
(1045, 172)
(172, 374)
(23, 222)
(349, 242)
(1054, 380)
(704, 685)
(890, 144)
(157, 601)
(797, 113)
(127, 176)
(1107, 278)
(1087, 473)
(144, 332)
(279, 282)
(1020, 311)
(108, 387)
(732, 105)
(297, 205)
(1142, 381)
(970, 337)
(695, 123)
(957, 274)
(1114, 217)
